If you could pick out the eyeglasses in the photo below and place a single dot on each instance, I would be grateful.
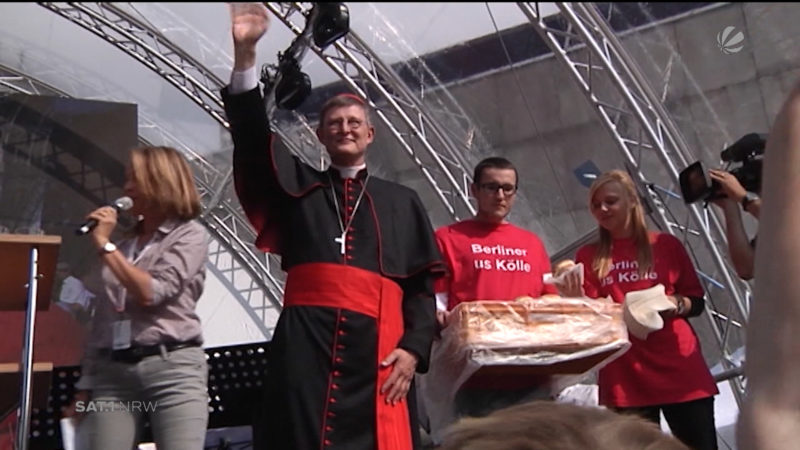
(491, 188)
(337, 124)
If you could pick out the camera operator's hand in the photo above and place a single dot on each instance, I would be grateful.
(739, 248)
(728, 184)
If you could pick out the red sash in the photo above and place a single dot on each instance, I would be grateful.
(359, 290)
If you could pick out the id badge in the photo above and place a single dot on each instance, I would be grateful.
(122, 334)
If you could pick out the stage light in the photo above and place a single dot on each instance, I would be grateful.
(326, 23)
(331, 22)
(293, 87)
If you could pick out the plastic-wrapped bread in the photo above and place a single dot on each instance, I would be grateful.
(553, 341)
(533, 331)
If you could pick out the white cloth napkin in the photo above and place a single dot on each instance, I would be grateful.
(641, 309)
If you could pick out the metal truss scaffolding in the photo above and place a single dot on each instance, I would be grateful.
(627, 106)
(439, 154)
(148, 46)
(583, 42)
(227, 255)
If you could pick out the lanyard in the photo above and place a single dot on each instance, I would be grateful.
(134, 257)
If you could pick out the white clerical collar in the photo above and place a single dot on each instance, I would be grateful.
(349, 172)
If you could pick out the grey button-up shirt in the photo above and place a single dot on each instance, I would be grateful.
(175, 259)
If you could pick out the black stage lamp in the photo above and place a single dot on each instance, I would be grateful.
(327, 22)
(331, 23)
(293, 86)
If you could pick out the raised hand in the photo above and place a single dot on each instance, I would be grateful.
(249, 21)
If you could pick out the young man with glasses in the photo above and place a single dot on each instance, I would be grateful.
(489, 258)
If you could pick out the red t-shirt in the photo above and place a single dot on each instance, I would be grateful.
(667, 367)
(491, 262)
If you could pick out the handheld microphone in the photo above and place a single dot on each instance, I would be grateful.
(120, 204)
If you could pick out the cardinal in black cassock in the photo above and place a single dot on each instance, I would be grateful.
(361, 259)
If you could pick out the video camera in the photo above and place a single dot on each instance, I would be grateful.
(696, 184)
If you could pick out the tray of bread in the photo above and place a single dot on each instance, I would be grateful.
(536, 330)
(548, 342)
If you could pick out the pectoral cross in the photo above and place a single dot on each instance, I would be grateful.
(340, 240)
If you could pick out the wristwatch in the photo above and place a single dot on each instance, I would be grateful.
(749, 197)
(108, 247)
(681, 305)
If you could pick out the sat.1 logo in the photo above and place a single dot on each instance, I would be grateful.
(730, 42)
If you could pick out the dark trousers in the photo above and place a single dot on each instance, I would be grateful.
(691, 422)
(475, 402)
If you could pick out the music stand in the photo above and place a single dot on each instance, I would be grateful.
(235, 383)
(10, 378)
(28, 259)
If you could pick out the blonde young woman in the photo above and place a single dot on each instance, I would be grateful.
(665, 372)
(145, 352)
